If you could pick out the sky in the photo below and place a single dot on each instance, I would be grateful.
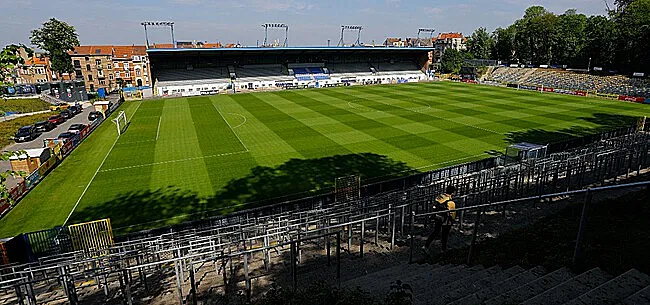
(311, 23)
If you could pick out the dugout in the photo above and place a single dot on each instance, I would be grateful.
(522, 152)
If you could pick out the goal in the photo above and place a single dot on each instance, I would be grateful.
(121, 122)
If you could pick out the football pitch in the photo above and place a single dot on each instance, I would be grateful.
(185, 158)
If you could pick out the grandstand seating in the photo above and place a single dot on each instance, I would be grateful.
(195, 74)
(259, 71)
(396, 67)
(560, 79)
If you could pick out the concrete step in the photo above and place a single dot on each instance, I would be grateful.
(570, 288)
(641, 297)
(424, 284)
(434, 292)
(379, 282)
(469, 287)
(514, 281)
(529, 290)
(614, 290)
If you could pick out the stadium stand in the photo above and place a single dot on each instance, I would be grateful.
(561, 79)
(258, 241)
(258, 71)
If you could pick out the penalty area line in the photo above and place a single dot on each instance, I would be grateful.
(158, 130)
(91, 181)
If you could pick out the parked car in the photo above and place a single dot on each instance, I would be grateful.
(66, 114)
(56, 119)
(76, 128)
(26, 133)
(44, 126)
(66, 136)
(59, 106)
(75, 109)
(94, 115)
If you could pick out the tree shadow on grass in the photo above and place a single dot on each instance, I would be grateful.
(604, 121)
(295, 178)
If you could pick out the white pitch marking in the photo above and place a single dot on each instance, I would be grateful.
(233, 131)
(237, 114)
(91, 180)
(158, 131)
(173, 161)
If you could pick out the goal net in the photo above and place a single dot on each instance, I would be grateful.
(121, 122)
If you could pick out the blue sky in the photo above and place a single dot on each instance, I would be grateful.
(310, 22)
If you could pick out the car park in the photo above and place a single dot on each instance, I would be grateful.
(75, 109)
(26, 133)
(56, 119)
(44, 126)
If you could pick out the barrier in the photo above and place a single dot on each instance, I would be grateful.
(631, 99)
(647, 101)
(581, 93)
(95, 235)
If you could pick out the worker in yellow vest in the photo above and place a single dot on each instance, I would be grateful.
(443, 221)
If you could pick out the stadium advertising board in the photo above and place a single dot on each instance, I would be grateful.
(32, 179)
(547, 89)
(581, 93)
(631, 99)
(607, 95)
(647, 101)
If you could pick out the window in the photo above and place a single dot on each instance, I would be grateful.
(87, 67)
(126, 65)
(116, 64)
(110, 76)
(87, 59)
(78, 74)
(77, 64)
(109, 67)
(101, 82)
(127, 74)
(137, 72)
(136, 58)
(90, 77)
(98, 62)
(117, 74)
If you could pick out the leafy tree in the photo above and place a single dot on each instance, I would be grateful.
(451, 61)
(569, 38)
(9, 59)
(600, 37)
(480, 44)
(534, 35)
(633, 29)
(56, 38)
(4, 192)
(504, 43)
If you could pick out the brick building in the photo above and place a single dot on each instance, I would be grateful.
(111, 67)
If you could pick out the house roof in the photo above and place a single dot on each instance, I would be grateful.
(92, 50)
(162, 46)
(32, 153)
(129, 51)
(37, 61)
(392, 39)
(450, 35)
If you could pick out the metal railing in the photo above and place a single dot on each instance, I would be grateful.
(480, 210)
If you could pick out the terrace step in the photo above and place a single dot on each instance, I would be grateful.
(476, 283)
(641, 297)
(615, 290)
(570, 288)
(531, 289)
(510, 283)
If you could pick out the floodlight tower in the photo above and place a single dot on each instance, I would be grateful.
(425, 30)
(344, 28)
(266, 27)
(169, 24)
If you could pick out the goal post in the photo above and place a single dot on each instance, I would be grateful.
(121, 122)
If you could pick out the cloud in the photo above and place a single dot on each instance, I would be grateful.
(433, 11)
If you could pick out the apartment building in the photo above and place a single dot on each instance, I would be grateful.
(111, 67)
(35, 70)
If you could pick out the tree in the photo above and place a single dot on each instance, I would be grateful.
(9, 59)
(56, 38)
(504, 44)
(600, 37)
(5, 196)
(451, 61)
(480, 44)
(633, 29)
(569, 39)
(534, 35)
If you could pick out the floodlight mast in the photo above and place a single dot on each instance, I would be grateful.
(284, 26)
(425, 30)
(344, 28)
(169, 24)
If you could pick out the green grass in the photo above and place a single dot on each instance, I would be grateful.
(187, 158)
(23, 105)
(8, 128)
